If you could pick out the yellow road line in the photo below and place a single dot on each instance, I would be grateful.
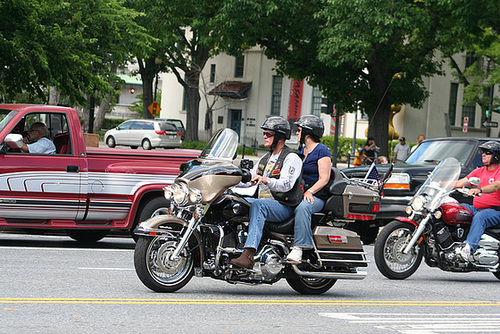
(320, 302)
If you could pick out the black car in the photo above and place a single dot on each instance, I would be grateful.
(408, 176)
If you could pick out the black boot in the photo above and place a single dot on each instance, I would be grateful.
(245, 260)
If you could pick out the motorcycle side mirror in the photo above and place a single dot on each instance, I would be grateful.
(475, 181)
(246, 164)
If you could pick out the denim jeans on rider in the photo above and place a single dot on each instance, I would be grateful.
(263, 210)
(483, 219)
(303, 233)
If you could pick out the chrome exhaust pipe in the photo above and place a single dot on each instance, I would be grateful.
(359, 274)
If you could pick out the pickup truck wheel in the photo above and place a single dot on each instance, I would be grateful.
(153, 207)
(146, 144)
(111, 142)
(87, 235)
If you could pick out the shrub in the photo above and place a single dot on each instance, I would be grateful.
(111, 123)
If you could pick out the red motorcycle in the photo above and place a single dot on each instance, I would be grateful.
(435, 227)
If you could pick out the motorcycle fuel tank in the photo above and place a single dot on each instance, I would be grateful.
(454, 213)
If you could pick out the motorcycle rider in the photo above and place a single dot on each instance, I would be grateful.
(316, 169)
(279, 188)
(485, 207)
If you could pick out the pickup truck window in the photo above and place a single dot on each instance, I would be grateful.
(436, 151)
(5, 117)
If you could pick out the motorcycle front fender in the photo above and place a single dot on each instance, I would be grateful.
(151, 228)
(407, 220)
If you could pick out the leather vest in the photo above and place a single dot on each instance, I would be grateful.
(292, 197)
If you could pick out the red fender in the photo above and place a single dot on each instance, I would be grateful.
(407, 220)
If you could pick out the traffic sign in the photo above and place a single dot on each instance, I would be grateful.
(490, 124)
(466, 124)
(154, 109)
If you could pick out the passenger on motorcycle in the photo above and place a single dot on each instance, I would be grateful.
(316, 168)
(485, 207)
(279, 188)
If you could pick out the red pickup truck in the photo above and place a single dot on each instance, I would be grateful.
(86, 191)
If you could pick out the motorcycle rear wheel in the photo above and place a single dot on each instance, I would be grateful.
(389, 257)
(155, 268)
(309, 285)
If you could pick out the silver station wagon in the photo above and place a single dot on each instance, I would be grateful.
(145, 133)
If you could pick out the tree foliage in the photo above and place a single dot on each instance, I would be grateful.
(365, 54)
(186, 38)
(65, 44)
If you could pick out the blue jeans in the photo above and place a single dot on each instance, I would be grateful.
(303, 233)
(483, 219)
(263, 210)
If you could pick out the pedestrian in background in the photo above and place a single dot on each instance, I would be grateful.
(402, 150)
(420, 139)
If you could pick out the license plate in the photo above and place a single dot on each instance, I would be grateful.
(171, 136)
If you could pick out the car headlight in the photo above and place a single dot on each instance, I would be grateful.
(195, 196)
(417, 203)
(180, 193)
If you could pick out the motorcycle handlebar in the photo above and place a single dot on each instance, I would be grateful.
(246, 175)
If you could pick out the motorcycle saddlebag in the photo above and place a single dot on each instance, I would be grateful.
(337, 246)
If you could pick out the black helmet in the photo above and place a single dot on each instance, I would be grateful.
(494, 147)
(311, 125)
(279, 125)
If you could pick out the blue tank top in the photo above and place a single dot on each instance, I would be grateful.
(310, 172)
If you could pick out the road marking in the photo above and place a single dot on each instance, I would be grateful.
(244, 302)
(67, 248)
(418, 323)
(110, 269)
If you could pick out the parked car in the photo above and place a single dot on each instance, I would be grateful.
(145, 133)
(178, 123)
(407, 177)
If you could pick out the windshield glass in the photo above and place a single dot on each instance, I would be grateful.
(437, 151)
(441, 180)
(223, 146)
(5, 117)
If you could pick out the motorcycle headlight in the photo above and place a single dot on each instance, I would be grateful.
(180, 193)
(195, 196)
(417, 203)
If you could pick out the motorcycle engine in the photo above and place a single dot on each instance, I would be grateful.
(267, 265)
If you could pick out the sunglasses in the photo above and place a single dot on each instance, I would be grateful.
(268, 134)
(488, 152)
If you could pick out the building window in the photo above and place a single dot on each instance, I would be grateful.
(470, 59)
(238, 67)
(212, 73)
(469, 110)
(317, 99)
(452, 108)
(276, 101)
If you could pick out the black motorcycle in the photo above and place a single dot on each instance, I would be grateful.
(207, 222)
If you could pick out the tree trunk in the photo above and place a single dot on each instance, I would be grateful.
(101, 112)
(193, 104)
(54, 96)
(147, 70)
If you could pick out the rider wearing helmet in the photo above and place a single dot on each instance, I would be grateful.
(316, 169)
(485, 207)
(279, 186)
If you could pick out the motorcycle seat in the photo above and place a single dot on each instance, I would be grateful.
(493, 231)
(287, 227)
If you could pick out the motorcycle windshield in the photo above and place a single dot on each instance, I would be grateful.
(442, 179)
(222, 146)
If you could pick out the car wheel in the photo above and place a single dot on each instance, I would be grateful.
(146, 144)
(111, 142)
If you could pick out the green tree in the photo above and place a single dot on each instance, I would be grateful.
(186, 37)
(69, 45)
(365, 54)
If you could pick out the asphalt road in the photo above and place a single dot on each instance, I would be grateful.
(52, 284)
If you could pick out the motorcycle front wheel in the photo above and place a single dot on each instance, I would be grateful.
(389, 256)
(156, 269)
(309, 285)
